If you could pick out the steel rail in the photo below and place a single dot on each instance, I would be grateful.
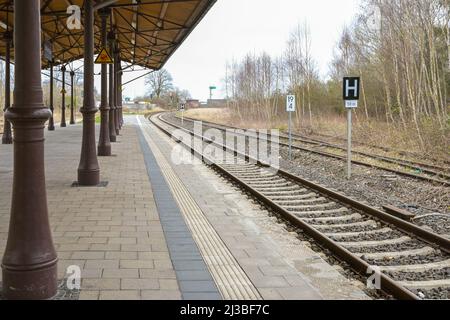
(357, 264)
(298, 137)
(389, 285)
(339, 157)
(406, 227)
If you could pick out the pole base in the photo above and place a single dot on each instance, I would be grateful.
(112, 138)
(72, 122)
(104, 151)
(63, 125)
(37, 284)
(88, 177)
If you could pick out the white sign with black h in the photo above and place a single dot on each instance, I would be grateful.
(351, 91)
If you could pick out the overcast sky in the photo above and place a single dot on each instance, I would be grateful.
(233, 28)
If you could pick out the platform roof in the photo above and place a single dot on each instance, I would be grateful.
(148, 31)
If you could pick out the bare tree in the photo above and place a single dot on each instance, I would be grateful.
(159, 82)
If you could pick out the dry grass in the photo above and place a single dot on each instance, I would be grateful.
(334, 129)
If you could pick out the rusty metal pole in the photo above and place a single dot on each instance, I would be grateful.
(29, 264)
(116, 89)
(51, 122)
(88, 170)
(63, 98)
(7, 134)
(112, 105)
(104, 143)
(72, 113)
(120, 98)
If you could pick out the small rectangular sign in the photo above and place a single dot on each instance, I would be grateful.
(290, 103)
(351, 104)
(351, 88)
(182, 106)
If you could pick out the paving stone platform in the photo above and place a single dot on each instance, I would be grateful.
(137, 239)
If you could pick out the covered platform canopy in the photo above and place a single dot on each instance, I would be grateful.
(147, 32)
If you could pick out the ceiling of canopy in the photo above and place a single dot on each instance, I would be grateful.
(147, 32)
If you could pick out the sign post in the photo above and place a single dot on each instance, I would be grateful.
(211, 88)
(182, 108)
(351, 97)
(290, 107)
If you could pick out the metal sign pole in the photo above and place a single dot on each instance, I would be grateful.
(290, 107)
(351, 97)
(290, 135)
(349, 143)
(182, 117)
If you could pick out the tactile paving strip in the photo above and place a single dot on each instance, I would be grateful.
(231, 280)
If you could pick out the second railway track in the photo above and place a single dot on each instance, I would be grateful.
(413, 262)
(412, 169)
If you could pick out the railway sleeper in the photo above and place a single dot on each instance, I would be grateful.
(280, 189)
(269, 184)
(322, 213)
(298, 194)
(293, 202)
(356, 217)
(368, 244)
(417, 267)
(346, 235)
(312, 207)
(330, 228)
(397, 254)
(428, 284)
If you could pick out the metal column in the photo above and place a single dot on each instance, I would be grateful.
(88, 170)
(120, 98)
(7, 134)
(72, 113)
(63, 98)
(51, 122)
(112, 105)
(116, 89)
(349, 143)
(104, 144)
(30, 263)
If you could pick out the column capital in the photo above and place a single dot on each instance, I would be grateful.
(104, 12)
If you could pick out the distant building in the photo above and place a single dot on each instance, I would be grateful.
(192, 103)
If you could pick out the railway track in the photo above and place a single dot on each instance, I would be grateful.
(385, 149)
(410, 262)
(413, 169)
